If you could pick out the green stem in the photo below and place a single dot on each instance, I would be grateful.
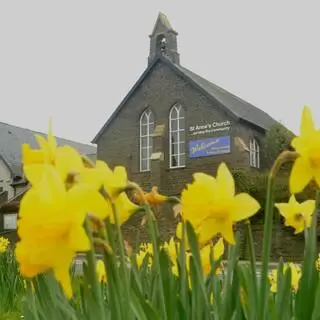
(267, 235)
(183, 272)
(123, 263)
(155, 243)
(266, 248)
(91, 259)
(252, 255)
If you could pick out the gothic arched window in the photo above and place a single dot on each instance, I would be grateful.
(254, 153)
(177, 152)
(146, 131)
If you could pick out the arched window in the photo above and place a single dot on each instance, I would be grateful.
(177, 137)
(254, 153)
(162, 44)
(146, 131)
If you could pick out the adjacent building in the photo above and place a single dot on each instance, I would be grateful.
(12, 183)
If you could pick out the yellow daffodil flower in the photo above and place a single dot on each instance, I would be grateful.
(4, 243)
(153, 197)
(50, 225)
(46, 153)
(114, 181)
(141, 255)
(65, 158)
(101, 271)
(211, 206)
(295, 277)
(125, 208)
(67, 162)
(172, 249)
(175, 269)
(307, 166)
(297, 215)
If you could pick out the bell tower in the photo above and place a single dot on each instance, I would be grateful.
(163, 40)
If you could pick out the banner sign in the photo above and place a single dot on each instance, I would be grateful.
(210, 127)
(209, 147)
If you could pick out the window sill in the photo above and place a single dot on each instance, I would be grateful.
(175, 168)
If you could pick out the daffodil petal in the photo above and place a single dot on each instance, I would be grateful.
(32, 156)
(78, 239)
(207, 230)
(218, 249)
(227, 232)
(225, 182)
(121, 174)
(307, 124)
(68, 160)
(308, 207)
(86, 199)
(42, 142)
(91, 176)
(292, 200)
(204, 178)
(36, 173)
(61, 273)
(125, 208)
(179, 230)
(243, 207)
(285, 209)
(300, 176)
(104, 170)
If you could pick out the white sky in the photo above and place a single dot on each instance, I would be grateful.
(76, 60)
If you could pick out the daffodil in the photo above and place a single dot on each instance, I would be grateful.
(295, 277)
(297, 215)
(205, 255)
(172, 249)
(114, 181)
(4, 243)
(101, 271)
(50, 225)
(46, 153)
(125, 208)
(211, 205)
(307, 166)
(66, 159)
(141, 256)
(175, 268)
(153, 197)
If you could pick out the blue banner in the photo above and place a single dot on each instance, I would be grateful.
(209, 147)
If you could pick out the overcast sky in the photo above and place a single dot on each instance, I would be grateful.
(76, 60)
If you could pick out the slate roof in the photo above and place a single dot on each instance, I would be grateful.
(242, 109)
(12, 137)
(233, 104)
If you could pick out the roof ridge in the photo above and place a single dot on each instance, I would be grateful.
(42, 133)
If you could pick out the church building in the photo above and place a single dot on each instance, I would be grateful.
(173, 123)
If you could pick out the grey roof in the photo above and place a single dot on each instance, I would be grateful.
(231, 103)
(242, 109)
(12, 137)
